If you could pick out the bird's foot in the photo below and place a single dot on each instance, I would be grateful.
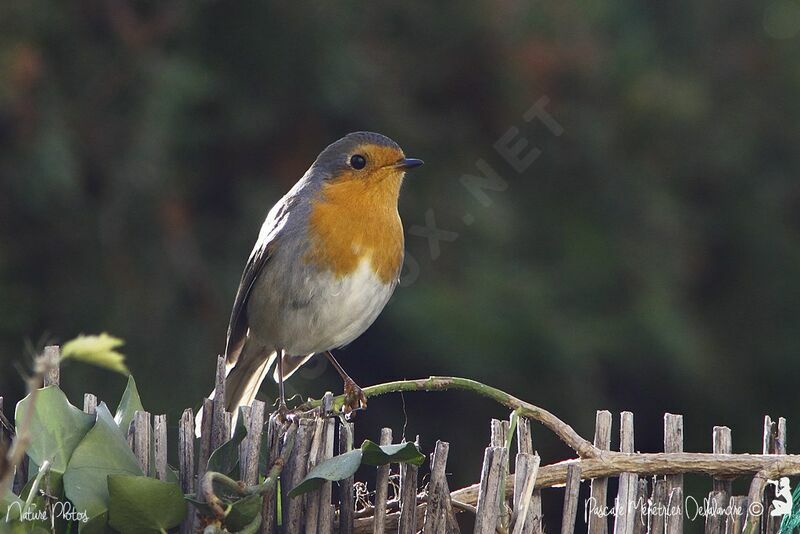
(354, 398)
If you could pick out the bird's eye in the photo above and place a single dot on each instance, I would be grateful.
(358, 162)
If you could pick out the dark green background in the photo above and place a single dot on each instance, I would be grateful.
(648, 260)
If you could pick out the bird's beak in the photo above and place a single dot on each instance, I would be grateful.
(408, 163)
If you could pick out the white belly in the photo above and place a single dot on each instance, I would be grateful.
(334, 311)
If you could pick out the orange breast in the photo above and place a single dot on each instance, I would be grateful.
(353, 220)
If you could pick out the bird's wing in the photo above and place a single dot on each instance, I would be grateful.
(259, 258)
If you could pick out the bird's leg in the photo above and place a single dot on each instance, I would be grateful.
(354, 398)
(282, 409)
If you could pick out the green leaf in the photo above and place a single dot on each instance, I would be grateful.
(128, 405)
(141, 504)
(96, 350)
(333, 469)
(25, 527)
(96, 525)
(10, 505)
(254, 527)
(57, 427)
(243, 512)
(345, 465)
(102, 452)
(376, 455)
(225, 458)
(6, 498)
(32, 523)
(172, 474)
(201, 506)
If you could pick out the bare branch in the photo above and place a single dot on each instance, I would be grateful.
(444, 383)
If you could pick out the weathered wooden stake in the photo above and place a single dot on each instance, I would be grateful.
(673, 442)
(525, 471)
(533, 520)
(244, 413)
(502, 441)
(657, 520)
(722, 444)
(186, 464)
(772, 443)
(407, 523)
(435, 513)
(220, 430)
(628, 482)
(722, 488)
(160, 446)
(204, 443)
(524, 439)
(275, 439)
(252, 443)
(89, 403)
(571, 491)
(640, 518)
(739, 505)
(382, 488)
(489, 494)
(499, 430)
(598, 493)
(318, 503)
(326, 492)
(295, 471)
(314, 457)
(777, 446)
(52, 354)
(717, 500)
(346, 496)
(142, 435)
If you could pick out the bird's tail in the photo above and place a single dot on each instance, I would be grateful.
(242, 381)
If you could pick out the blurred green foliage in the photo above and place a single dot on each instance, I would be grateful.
(649, 259)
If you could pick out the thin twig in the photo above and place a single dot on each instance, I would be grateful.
(43, 470)
(443, 383)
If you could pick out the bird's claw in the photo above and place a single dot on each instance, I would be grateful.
(354, 398)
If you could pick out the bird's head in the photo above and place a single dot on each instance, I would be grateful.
(366, 158)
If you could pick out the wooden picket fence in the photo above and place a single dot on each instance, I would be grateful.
(650, 496)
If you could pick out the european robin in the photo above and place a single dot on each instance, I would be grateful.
(325, 264)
